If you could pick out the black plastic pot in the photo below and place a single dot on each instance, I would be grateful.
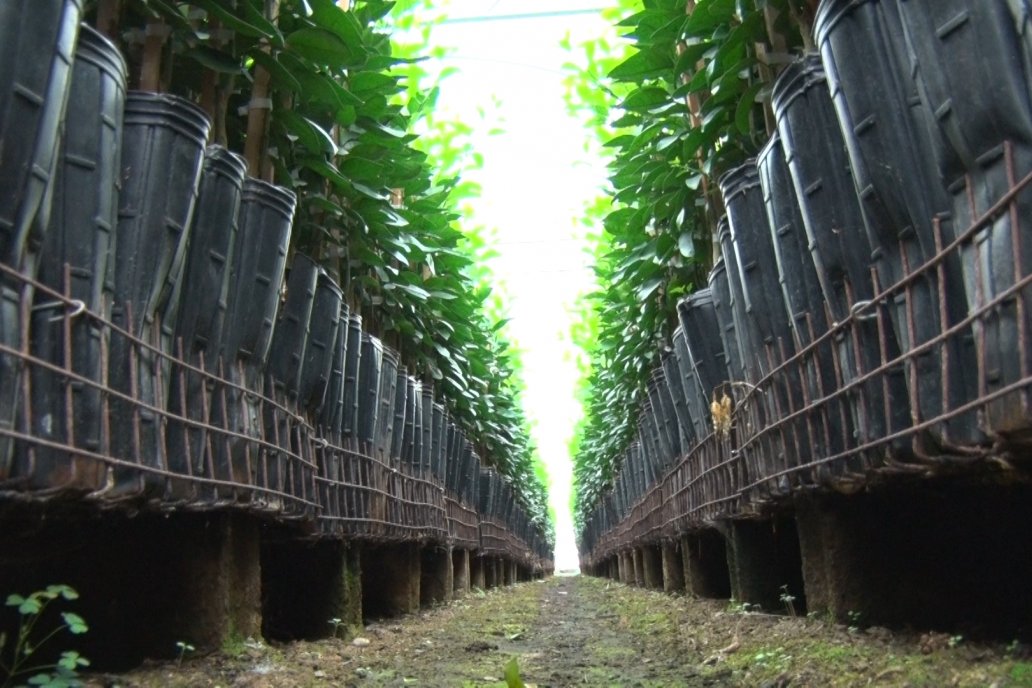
(322, 332)
(834, 225)
(162, 152)
(803, 296)
(675, 386)
(212, 241)
(739, 334)
(352, 394)
(331, 416)
(670, 416)
(485, 502)
(428, 429)
(889, 138)
(37, 39)
(264, 224)
(369, 392)
(36, 43)
(401, 414)
(720, 291)
(385, 416)
(983, 109)
(750, 235)
(471, 488)
(437, 439)
(670, 445)
(971, 68)
(695, 398)
(266, 214)
(412, 448)
(449, 451)
(82, 221)
(698, 319)
(199, 326)
(287, 349)
(651, 451)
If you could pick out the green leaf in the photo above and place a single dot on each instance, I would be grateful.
(743, 121)
(75, 623)
(322, 47)
(649, 287)
(213, 59)
(512, 675)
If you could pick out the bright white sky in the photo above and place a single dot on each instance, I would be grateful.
(536, 180)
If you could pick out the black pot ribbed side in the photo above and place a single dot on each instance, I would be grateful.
(322, 332)
(290, 335)
(199, 327)
(448, 444)
(740, 334)
(890, 141)
(369, 392)
(971, 68)
(352, 383)
(37, 42)
(472, 492)
(981, 102)
(675, 386)
(649, 443)
(698, 403)
(266, 216)
(750, 235)
(412, 450)
(437, 438)
(670, 417)
(484, 503)
(264, 226)
(331, 415)
(213, 234)
(698, 319)
(466, 464)
(803, 297)
(428, 428)
(81, 235)
(385, 415)
(669, 446)
(36, 52)
(831, 214)
(162, 153)
(402, 411)
(720, 289)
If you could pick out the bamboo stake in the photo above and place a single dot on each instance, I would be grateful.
(258, 110)
(153, 46)
(109, 16)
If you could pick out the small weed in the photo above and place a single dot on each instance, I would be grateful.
(955, 640)
(788, 599)
(855, 621)
(64, 672)
(736, 607)
(183, 647)
(337, 625)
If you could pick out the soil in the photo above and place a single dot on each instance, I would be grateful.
(573, 631)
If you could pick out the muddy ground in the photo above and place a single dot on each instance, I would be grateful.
(591, 632)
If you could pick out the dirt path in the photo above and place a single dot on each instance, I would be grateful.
(590, 632)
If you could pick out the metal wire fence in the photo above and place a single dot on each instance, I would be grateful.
(796, 430)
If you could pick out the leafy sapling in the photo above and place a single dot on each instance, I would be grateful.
(18, 664)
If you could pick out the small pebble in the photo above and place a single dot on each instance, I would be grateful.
(360, 642)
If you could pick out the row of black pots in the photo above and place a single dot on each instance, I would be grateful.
(181, 250)
(913, 122)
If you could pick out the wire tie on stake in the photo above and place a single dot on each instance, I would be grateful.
(857, 310)
(78, 308)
